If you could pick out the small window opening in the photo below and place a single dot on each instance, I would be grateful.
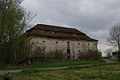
(68, 42)
(43, 49)
(78, 50)
(33, 43)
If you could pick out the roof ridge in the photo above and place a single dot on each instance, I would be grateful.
(36, 30)
(56, 26)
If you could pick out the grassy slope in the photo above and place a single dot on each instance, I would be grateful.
(1, 78)
(51, 64)
(105, 72)
(62, 63)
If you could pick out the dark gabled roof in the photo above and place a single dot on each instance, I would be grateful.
(55, 29)
(37, 31)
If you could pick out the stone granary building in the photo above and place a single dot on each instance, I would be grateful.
(49, 38)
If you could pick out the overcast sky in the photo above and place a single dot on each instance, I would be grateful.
(94, 17)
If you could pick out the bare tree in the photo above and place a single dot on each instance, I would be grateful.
(109, 52)
(115, 35)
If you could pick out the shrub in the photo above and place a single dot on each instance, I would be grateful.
(1, 78)
(38, 54)
(56, 55)
(89, 55)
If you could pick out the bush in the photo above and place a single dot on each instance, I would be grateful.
(89, 55)
(56, 55)
(1, 78)
(38, 54)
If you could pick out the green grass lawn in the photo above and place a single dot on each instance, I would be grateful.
(62, 63)
(1, 77)
(49, 64)
(103, 72)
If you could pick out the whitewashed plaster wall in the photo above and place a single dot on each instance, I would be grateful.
(49, 44)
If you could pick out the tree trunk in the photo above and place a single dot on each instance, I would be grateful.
(118, 43)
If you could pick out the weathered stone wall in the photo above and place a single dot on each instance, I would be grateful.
(49, 44)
